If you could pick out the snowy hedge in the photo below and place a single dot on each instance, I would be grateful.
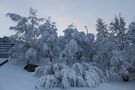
(77, 75)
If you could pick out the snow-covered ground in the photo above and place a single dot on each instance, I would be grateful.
(14, 77)
(2, 59)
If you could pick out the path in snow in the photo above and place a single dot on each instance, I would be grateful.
(14, 77)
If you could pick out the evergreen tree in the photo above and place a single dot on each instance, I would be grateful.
(104, 45)
(119, 61)
(130, 50)
(118, 28)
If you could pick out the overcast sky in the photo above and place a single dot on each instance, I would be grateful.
(65, 12)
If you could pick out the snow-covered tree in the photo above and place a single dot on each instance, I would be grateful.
(33, 33)
(26, 35)
(120, 62)
(130, 49)
(84, 41)
(71, 53)
(71, 33)
(117, 27)
(130, 35)
(102, 30)
(88, 46)
(48, 41)
(104, 45)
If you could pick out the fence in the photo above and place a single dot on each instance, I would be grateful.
(4, 48)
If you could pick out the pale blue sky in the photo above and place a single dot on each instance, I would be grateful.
(65, 12)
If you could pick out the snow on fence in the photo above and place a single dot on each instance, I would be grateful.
(4, 48)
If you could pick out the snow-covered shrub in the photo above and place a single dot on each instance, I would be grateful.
(39, 71)
(77, 75)
(17, 53)
(119, 64)
(48, 81)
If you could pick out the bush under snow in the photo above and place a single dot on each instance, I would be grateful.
(77, 75)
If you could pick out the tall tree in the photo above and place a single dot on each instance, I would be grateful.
(118, 28)
(48, 41)
(103, 45)
(119, 61)
(130, 50)
(26, 36)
